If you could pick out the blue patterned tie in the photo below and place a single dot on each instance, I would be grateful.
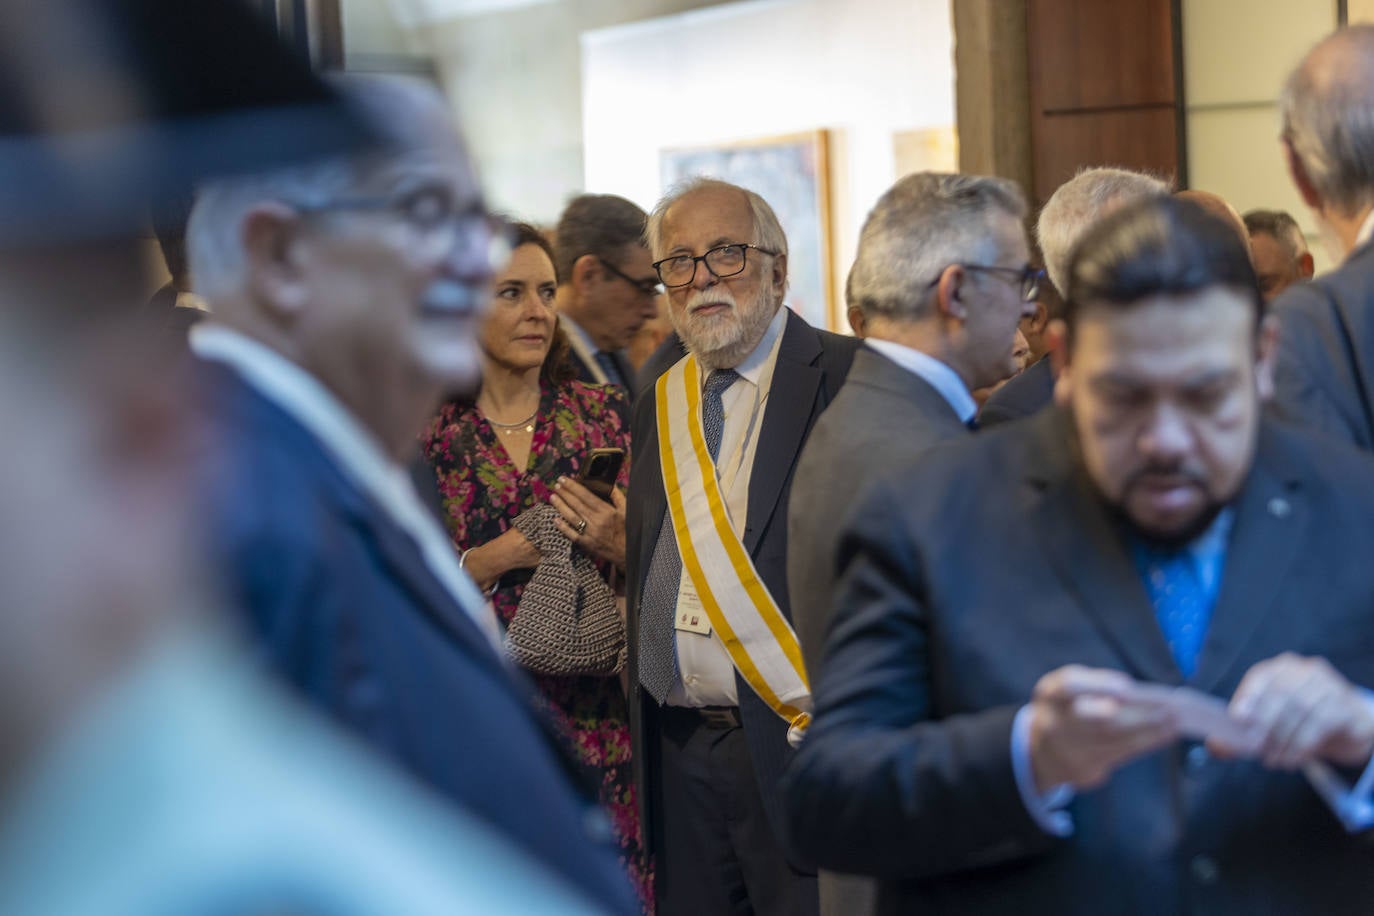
(658, 669)
(608, 367)
(1182, 606)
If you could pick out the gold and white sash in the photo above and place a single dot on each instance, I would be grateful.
(756, 635)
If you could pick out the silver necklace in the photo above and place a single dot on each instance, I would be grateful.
(510, 429)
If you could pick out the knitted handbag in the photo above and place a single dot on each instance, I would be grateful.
(567, 622)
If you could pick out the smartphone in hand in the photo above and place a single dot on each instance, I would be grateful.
(600, 470)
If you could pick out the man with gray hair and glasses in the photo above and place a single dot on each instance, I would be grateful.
(346, 300)
(1066, 217)
(1325, 371)
(717, 682)
(942, 277)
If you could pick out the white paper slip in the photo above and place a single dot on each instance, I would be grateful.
(1198, 715)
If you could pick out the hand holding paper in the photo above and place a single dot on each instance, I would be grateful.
(1301, 710)
(1084, 726)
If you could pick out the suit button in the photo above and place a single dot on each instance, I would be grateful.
(597, 826)
(1196, 758)
(1205, 869)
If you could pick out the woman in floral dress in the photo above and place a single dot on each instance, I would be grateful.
(519, 443)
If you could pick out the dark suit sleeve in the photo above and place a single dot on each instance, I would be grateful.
(879, 785)
(1312, 387)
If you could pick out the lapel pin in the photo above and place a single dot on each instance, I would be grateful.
(1279, 507)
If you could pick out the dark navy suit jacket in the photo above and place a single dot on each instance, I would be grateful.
(1324, 373)
(992, 561)
(810, 369)
(341, 605)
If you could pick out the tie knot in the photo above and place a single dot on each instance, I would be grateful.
(719, 380)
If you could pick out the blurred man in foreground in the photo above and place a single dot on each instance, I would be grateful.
(1030, 622)
(144, 769)
(346, 298)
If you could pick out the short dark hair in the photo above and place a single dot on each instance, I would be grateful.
(596, 224)
(1279, 224)
(1160, 245)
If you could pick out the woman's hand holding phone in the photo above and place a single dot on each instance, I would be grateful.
(596, 526)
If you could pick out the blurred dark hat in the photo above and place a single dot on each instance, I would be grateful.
(110, 107)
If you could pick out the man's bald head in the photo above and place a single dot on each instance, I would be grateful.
(1216, 205)
(1328, 119)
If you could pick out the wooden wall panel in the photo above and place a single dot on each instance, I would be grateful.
(1104, 87)
(1146, 140)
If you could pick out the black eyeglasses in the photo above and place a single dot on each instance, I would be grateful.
(1028, 277)
(433, 214)
(723, 261)
(646, 286)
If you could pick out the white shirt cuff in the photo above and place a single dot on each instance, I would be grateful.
(1353, 806)
(1047, 809)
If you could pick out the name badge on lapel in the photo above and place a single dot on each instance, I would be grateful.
(691, 616)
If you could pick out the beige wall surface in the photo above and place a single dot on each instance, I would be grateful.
(515, 76)
(1236, 56)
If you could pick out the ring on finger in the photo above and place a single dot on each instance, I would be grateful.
(581, 525)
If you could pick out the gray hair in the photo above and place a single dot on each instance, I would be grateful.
(767, 230)
(1327, 106)
(1281, 226)
(596, 224)
(921, 225)
(214, 242)
(1078, 203)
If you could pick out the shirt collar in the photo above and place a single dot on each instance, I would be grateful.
(574, 329)
(939, 375)
(752, 366)
(305, 399)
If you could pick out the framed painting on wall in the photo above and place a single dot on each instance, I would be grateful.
(792, 173)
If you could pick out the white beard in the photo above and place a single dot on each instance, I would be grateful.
(723, 340)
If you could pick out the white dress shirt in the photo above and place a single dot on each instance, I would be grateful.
(939, 376)
(356, 451)
(707, 674)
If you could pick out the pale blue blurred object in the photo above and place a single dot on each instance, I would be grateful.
(194, 789)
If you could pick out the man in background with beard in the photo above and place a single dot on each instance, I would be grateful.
(1036, 627)
(716, 674)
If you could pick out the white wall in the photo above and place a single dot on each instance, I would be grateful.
(864, 69)
(1236, 56)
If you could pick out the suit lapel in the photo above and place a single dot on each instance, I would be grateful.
(786, 419)
(402, 557)
(1085, 550)
(1271, 525)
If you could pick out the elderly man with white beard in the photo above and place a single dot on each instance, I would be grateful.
(718, 688)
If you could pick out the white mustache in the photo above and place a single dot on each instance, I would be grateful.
(709, 297)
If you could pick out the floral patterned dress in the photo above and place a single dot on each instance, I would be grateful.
(483, 492)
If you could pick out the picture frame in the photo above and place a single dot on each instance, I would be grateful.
(792, 173)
